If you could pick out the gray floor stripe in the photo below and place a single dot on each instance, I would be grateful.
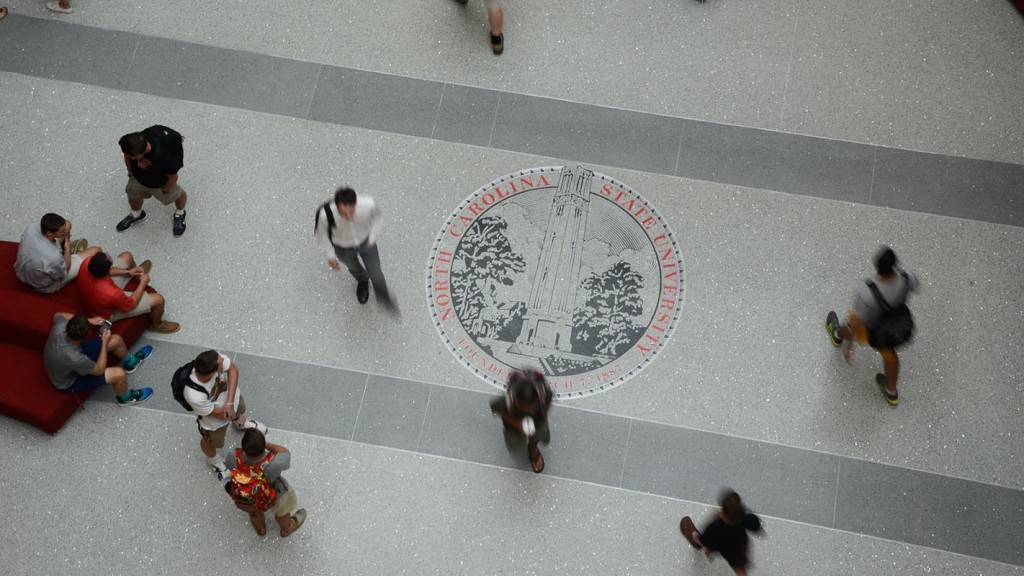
(963, 516)
(865, 174)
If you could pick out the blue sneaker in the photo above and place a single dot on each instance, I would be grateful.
(136, 396)
(133, 361)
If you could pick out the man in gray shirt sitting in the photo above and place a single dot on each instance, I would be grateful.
(76, 364)
(47, 258)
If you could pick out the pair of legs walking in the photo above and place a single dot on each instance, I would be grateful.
(282, 510)
(363, 262)
(855, 331)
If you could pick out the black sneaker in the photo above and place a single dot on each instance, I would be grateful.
(130, 220)
(831, 325)
(881, 381)
(179, 223)
(498, 43)
(363, 291)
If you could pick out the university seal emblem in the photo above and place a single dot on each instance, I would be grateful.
(562, 269)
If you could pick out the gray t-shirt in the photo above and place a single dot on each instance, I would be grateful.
(895, 290)
(281, 462)
(64, 360)
(40, 262)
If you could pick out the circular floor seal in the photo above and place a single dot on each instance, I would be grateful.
(557, 268)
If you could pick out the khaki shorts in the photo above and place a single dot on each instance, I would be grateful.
(216, 437)
(136, 191)
(286, 503)
(76, 265)
(143, 307)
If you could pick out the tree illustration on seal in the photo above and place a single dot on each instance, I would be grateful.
(606, 322)
(484, 258)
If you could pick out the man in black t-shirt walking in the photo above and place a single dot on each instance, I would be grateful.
(153, 158)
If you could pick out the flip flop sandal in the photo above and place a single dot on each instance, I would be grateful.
(3, 13)
(299, 518)
(687, 528)
(537, 460)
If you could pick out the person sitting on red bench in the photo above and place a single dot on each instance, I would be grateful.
(103, 291)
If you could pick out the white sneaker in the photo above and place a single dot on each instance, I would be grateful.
(222, 472)
(250, 423)
(55, 6)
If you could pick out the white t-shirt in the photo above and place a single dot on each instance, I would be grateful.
(202, 405)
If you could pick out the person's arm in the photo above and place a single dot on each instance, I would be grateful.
(229, 407)
(172, 179)
(376, 219)
(128, 164)
(101, 360)
(67, 251)
(323, 241)
(136, 296)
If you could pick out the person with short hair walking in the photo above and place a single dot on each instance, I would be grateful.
(726, 534)
(879, 318)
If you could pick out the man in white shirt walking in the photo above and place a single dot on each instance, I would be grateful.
(346, 232)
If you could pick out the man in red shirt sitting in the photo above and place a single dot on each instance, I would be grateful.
(104, 294)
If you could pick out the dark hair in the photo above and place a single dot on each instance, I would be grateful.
(732, 506)
(885, 261)
(524, 384)
(253, 442)
(51, 222)
(206, 363)
(345, 196)
(78, 327)
(99, 265)
(133, 144)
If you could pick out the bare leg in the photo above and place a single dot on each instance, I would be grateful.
(65, 4)
(891, 363)
(496, 18)
(182, 199)
(117, 347)
(156, 311)
(118, 379)
(135, 205)
(127, 257)
(207, 448)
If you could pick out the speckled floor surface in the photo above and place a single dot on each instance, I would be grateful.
(748, 359)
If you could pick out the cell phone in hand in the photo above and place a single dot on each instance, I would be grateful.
(105, 326)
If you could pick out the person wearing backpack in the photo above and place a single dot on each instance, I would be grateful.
(346, 231)
(256, 484)
(879, 318)
(153, 158)
(210, 389)
(524, 414)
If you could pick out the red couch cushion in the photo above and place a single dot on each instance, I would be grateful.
(26, 392)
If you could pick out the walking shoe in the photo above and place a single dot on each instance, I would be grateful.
(133, 361)
(55, 6)
(250, 423)
(299, 518)
(136, 396)
(363, 291)
(881, 381)
(165, 327)
(498, 43)
(129, 220)
(688, 529)
(146, 266)
(79, 245)
(831, 325)
(179, 223)
(222, 472)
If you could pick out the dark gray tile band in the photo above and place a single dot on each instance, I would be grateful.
(763, 159)
(895, 503)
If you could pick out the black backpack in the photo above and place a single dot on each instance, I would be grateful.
(895, 326)
(182, 378)
(326, 207)
(170, 141)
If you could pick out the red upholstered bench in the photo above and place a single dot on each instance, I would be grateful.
(25, 320)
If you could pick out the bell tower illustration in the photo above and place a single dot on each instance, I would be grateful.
(547, 324)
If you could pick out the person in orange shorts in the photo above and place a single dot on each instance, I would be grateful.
(879, 318)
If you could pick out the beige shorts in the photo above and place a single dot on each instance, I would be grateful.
(287, 503)
(216, 437)
(143, 307)
(136, 191)
(76, 265)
